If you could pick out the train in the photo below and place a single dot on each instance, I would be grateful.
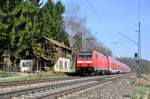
(91, 62)
(88, 62)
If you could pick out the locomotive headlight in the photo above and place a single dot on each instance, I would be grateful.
(78, 65)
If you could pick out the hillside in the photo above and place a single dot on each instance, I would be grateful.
(145, 64)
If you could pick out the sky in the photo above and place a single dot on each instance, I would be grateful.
(106, 18)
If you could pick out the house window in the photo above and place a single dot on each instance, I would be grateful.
(29, 64)
(23, 64)
(65, 64)
(61, 63)
(65, 52)
(27, 52)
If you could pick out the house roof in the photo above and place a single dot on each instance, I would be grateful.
(57, 43)
(5, 54)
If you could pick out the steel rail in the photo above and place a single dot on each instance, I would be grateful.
(59, 93)
(16, 93)
(25, 82)
(13, 93)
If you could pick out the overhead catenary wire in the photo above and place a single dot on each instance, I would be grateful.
(96, 14)
(100, 20)
(106, 15)
(128, 38)
(121, 34)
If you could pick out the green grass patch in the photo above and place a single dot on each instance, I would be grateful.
(31, 76)
(141, 90)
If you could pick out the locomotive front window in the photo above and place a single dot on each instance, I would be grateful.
(85, 54)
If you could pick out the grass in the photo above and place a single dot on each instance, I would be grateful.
(142, 89)
(141, 92)
(30, 76)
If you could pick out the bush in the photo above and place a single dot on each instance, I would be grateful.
(46, 69)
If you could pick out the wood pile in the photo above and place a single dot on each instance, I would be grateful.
(47, 51)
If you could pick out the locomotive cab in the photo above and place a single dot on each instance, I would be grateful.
(92, 63)
(84, 63)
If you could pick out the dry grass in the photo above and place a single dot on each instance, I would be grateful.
(143, 90)
(31, 76)
(145, 80)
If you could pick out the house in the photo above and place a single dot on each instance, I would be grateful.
(52, 54)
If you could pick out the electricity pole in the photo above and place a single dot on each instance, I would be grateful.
(81, 41)
(91, 42)
(139, 51)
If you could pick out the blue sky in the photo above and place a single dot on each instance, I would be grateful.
(113, 16)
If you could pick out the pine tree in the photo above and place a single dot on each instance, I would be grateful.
(17, 26)
(50, 25)
(52, 21)
(23, 22)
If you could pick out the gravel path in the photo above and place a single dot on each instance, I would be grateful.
(118, 89)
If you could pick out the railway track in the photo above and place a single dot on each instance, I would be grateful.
(27, 82)
(67, 90)
(56, 89)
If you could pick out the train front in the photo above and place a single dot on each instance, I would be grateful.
(84, 62)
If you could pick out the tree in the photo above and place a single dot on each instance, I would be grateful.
(51, 21)
(102, 49)
(145, 64)
(80, 36)
(23, 22)
(16, 26)
(50, 25)
(6, 6)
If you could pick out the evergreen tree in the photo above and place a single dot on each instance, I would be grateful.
(16, 25)
(6, 6)
(50, 24)
(22, 22)
(51, 21)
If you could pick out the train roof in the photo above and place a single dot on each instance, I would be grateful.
(104, 55)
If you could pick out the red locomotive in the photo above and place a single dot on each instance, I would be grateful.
(91, 62)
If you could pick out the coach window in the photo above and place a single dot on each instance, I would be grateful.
(96, 55)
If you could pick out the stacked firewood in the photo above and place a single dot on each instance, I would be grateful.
(47, 51)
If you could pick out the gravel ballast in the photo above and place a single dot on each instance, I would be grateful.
(118, 89)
